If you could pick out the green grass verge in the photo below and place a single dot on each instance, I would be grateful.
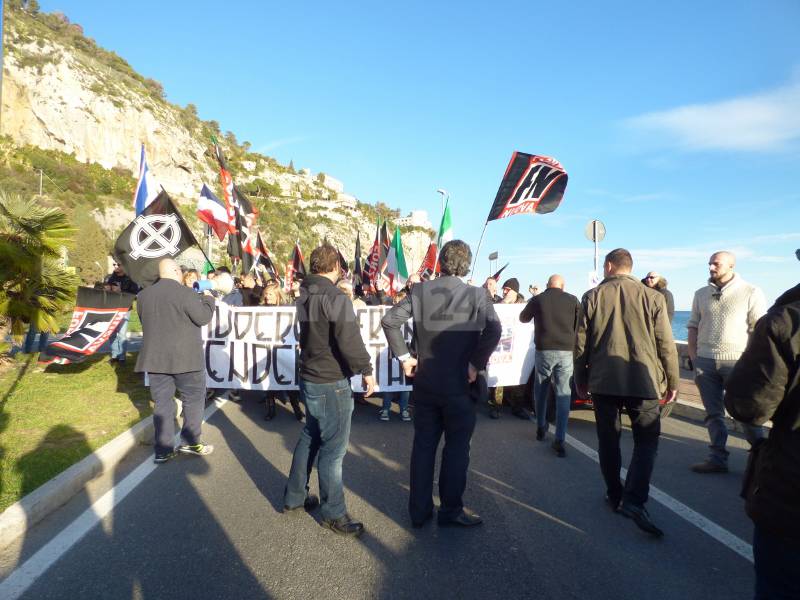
(52, 418)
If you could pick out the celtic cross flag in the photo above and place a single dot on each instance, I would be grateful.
(159, 232)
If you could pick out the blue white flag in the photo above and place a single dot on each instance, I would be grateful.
(147, 189)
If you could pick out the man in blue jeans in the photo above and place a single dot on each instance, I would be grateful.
(555, 316)
(331, 351)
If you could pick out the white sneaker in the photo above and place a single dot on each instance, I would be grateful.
(383, 414)
(406, 415)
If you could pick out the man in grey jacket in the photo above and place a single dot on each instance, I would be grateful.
(172, 355)
(456, 330)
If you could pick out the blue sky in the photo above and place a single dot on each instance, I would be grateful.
(678, 123)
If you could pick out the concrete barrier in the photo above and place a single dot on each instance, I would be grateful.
(27, 512)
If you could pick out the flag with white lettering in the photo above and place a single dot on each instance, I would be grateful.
(531, 184)
(97, 315)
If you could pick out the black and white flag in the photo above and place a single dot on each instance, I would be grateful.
(97, 315)
(159, 232)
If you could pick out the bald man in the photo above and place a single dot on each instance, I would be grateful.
(724, 313)
(172, 355)
(555, 316)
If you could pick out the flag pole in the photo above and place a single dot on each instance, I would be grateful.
(478, 249)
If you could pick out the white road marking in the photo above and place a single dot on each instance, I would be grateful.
(23, 577)
(720, 534)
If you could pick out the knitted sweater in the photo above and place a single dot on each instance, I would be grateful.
(725, 317)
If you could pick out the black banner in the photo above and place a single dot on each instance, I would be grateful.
(97, 315)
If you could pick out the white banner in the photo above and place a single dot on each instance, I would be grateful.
(255, 348)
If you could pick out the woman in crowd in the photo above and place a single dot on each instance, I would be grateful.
(190, 277)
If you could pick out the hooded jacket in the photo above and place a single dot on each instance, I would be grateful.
(765, 384)
(331, 347)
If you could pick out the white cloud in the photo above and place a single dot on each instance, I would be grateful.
(767, 121)
(274, 144)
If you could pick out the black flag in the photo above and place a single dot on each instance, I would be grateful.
(531, 184)
(357, 274)
(159, 232)
(496, 276)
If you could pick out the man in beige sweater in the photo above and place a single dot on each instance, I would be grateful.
(724, 313)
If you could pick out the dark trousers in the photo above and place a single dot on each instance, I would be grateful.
(192, 389)
(777, 562)
(329, 408)
(646, 425)
(433, 415)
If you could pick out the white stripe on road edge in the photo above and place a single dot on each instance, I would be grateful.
(720, 534)
(26, 574)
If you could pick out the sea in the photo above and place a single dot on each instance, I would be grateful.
(679, 321)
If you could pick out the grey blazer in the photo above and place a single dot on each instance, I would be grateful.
(454, 324)
(172, 315)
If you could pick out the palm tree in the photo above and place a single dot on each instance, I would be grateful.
(35, 288)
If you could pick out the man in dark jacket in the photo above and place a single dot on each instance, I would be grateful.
(118, 281)
(331, 351)
(626, 358)
(555, 316)
(455, 332)
(172, 355)
(657, 282)
(764, 385)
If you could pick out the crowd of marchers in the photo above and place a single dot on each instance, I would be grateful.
(613, 348)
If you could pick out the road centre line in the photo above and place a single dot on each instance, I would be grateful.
(24, 576)
(710, 528)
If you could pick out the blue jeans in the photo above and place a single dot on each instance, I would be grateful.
(119, 340)
(553, 367)
(777, 562)
(30, 340)
(710, 376)
(400, 397)
(329, 407)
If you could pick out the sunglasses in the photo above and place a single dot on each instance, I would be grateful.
(652, 277)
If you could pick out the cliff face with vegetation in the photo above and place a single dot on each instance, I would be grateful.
(78, 113)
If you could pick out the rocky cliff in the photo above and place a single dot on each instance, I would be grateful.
(62, 92)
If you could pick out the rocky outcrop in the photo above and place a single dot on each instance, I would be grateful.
(59, 97)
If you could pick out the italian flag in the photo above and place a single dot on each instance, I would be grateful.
(446, 228)
(396, 264)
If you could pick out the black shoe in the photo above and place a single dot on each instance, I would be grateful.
(613, 503)
(520, 413)
(494, 412)
(298, 412)
(113, 359)
(710, 466)
(464, 519)
(540, 434)
(344, 526)
(162, 458)
(418, 524)
(311, 503)
(641, 517)
(558, 448)
(270, 414)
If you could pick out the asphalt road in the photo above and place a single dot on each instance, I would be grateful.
(212, 528)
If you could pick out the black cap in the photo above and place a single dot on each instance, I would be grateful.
(512, 284)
